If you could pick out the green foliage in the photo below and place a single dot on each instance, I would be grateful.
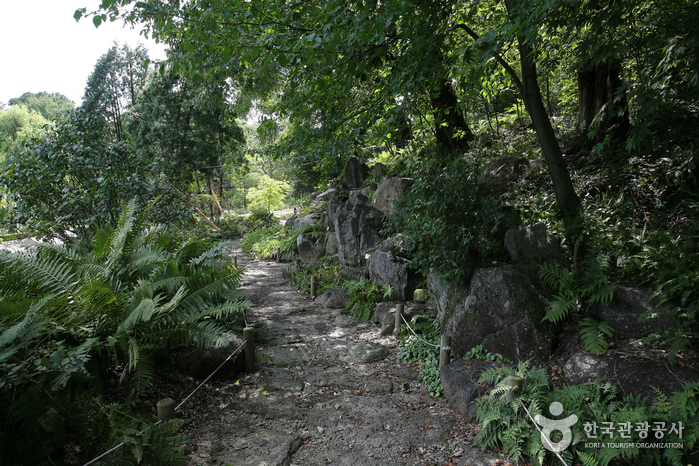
(506, 423)
(70, 316)
(52, 106)
(584, 285)
(269, 194)
(364, 294)
(447, 219)
(413, 350)
(479, 353)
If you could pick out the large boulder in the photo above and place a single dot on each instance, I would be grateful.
(356, 230)
(356, 172)
(498, 307)
(326, 195)
(306, 220)
(387, 191)
(310, 247)
(637, 372)
(460, 382)
(534, 242)
(626, 308)
(385, 269)
(497, 173)
(335, 298)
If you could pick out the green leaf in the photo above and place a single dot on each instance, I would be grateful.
(97, 20)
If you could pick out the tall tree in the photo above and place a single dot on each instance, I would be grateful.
(51, 106)
(113, 87)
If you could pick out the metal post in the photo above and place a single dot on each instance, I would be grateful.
(249, 337)
(399, 319)
(313, 287)
(166, 409)
(444, 350)
(514, 381)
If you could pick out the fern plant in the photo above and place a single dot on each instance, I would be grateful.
(576, 290)
(364, 294)
(76, 315)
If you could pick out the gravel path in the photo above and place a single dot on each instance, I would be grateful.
(328, 391)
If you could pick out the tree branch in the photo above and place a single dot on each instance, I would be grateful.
(511, 72)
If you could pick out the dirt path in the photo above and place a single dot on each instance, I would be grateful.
(328, 390)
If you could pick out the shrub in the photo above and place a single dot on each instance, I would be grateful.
(364, 294)
(70, 320)
(425, 355)
(448, 221)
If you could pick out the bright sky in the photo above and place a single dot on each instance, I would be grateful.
(43, 48)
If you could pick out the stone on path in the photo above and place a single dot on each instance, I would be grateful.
(354, 352)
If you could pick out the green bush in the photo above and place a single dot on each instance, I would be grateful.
(448, 220)
(70, 320)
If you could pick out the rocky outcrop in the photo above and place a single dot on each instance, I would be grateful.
(310, 247)
(356, 229)
(387, 191)
(534, 243)
(497, 173)
(626, 308)
(386, 267)
(356, 172)
(498, 307)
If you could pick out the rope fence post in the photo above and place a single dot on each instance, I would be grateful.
(444, 350)
(249, 337)
(166, 409)
(313, 287)
(235, 261)
(400, 308)
(513, 381)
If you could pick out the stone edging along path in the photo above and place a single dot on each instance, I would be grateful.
(327, 391)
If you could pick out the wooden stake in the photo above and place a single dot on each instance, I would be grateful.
(166, 409)
(313, 287)
(444, 350)
(514, 381)
(399, 319)
(235, 261)
(249, 349)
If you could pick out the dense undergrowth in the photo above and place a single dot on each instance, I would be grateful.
(81, 328)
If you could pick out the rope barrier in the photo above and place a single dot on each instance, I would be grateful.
(418, 337)
(553, 449)
(176, 408)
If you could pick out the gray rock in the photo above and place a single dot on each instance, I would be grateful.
(498, 172)
(534, 242)
(314, 195)
(326, 195)
(583, 368)
(200, 363)
(356, 172)
(475, 457)
(498, 307)
(387, 191)
(384, 269)
(357, 197)
(460, 382)
(625, 309)
(291, 221)
(331, 244)
(335, 298)
(306, 220)
(356, 230)
(637, 373)
(310, 247)
(354, 352)
(385, 313)
(367, 190)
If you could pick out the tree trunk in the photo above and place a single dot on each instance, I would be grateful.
(451, 130)
(566, 198)
(597, 86)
